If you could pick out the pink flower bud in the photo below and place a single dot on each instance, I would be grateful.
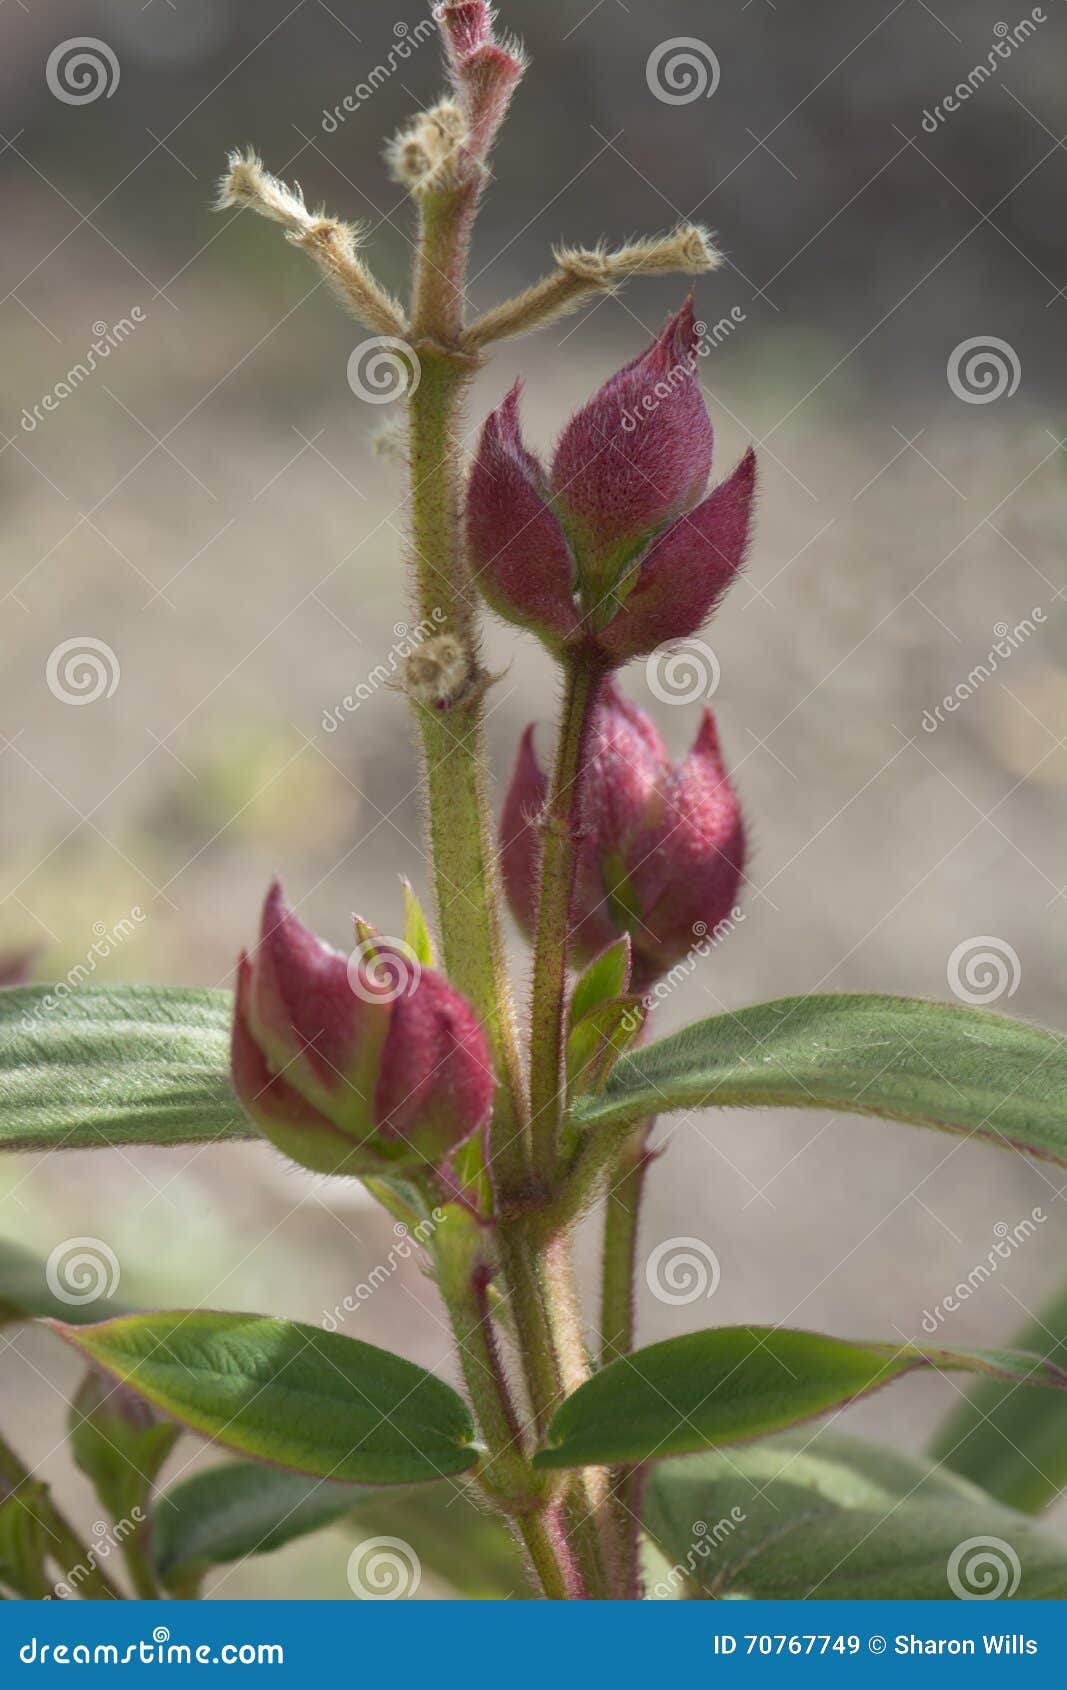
(484, 71)
(618, 549)
(661, 846)
(358, 1064)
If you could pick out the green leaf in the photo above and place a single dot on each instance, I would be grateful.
(25, 1293)
(119, 1444)
(595, 1043)
(241, 1508)
(607, 976)
(313, 1401)
(115, 1065)
(799, 1518)
(417, 935)
(740, 1382)
(24, 1540)
(933, 1064)
(1012, 1444)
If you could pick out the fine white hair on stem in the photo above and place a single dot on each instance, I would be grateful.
(331, 244)
(581, 272)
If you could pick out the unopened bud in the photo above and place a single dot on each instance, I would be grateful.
(361, 1065)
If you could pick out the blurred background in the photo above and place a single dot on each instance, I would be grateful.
(209, 513)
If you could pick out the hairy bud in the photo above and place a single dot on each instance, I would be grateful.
(354, 1065)
(661, 846)
(617, 548)
(484, 71)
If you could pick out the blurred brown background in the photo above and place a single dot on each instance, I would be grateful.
(209, 504)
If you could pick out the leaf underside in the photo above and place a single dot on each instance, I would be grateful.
(826, 1517)
(932, 1064)
(1014, 1443)
(735, 1383)
(99, 1066)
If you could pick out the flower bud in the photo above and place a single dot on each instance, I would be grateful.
(484, 71)
(661, 846)
(360, 1065)
(617, 549)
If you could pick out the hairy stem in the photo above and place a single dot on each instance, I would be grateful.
(559, 862)
(65, 1547)
(453, 746)
(617, 1313)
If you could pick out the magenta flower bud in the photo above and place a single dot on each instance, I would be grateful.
(484, 71)
(661, 849)
(617, 550)
(362, 1065)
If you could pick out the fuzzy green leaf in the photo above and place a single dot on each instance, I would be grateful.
(115, 1065)
(238, 1509)
(799, 1518)
(314, 1402)
(739, 1382)
(932, 1064)
(607, 976)
(1010, 1442)
(417, 934)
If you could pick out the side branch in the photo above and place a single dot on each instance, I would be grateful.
(580, 273)
(330, 244)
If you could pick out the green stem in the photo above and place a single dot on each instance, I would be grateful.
(454, 750)
(65, 1547)
(559, 862)
(464, 1271)
(139, 1567)
(544, 1306)
(617, 1318)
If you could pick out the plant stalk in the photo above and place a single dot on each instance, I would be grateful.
(582, 680)
(617, 1321)
(65, 1548)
